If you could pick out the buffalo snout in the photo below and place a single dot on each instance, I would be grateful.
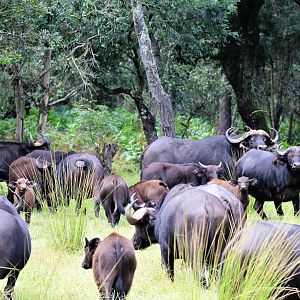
(296, 166)
(262, 147)
(85, 265)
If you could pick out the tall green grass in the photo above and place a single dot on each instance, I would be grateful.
(262, 271)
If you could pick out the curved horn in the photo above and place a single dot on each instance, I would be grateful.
(132, 219)
(31, 141)
(202, 165)
(282, 153)
(19, 206)
(44, 165)
(231, 140)
(220, 165)
(275, 140)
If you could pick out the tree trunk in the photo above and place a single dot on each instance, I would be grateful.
(147, 118)
(224, 114)
(157, 91)
(19, 101)
(290, 131)
(108, 152)
(45, 83)
(241, 62)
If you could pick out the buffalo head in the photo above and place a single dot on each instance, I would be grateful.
(244, 183)
(89, 250)
(40, 143)
(291, 156)
(144, 221)
(211, 171)
(253, 139)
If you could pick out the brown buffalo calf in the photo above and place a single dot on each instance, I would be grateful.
(149, 192)
(24, 189)
(113, 262)
(240, 190)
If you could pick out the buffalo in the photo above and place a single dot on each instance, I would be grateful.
(148, 192)
(29, 168)
(113, 262)
(210, 151)
(10, 151)
(113, 196)
(240, 190)
(79, 176)
(173, 174)
(50, 156)
(277, 174)
(23, 189)
(15, 245)
(188, 220)
(261, 238)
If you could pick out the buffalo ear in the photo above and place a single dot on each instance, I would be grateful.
(93, 244)
(32, 184)
(198, 173)
(279, 160)
(253, 181)
(12, 185)
(233, 182)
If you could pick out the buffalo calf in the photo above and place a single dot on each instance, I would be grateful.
(113, 262)
(240, 190)
(24, 189)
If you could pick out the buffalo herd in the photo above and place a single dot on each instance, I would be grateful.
(191, 199)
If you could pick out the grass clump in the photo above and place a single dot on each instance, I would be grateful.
(258, 266)
(68, 227)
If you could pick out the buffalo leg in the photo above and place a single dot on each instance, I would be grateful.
(105, 291)
(107, 209)
(11, 281)
(278, 206)
(116, 217)
(258, 206)
(296, 205)
(97, 208)
(167, 257)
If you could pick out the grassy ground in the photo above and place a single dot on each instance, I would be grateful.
(53, 273)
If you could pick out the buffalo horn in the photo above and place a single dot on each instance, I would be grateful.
(275, 140)
(202, 165)
(19, 206)
(31, 141)
(231, 140)
(282, 153)
(38, 142)
(220, 165)
(43, 165)
(138, 215)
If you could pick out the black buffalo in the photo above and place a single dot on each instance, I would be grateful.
(189, 220)
(209, 151)
(113, 195)
(50, 156)
(277, 174)
(255, 240)
(15, 245)
(79, 176)
(10, 151)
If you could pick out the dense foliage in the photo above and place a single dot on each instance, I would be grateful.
(200, 48)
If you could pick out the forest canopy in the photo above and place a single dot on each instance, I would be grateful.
(61, 55)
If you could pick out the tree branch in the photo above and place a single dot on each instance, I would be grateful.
(72, 93)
